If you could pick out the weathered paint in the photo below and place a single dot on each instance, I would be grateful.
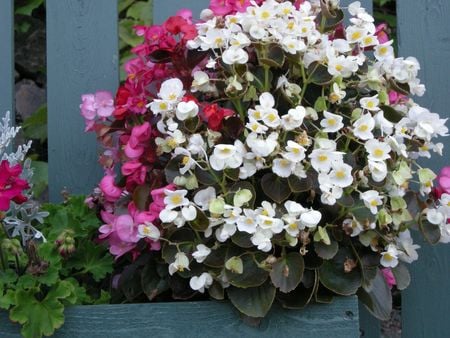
(202, 319)
(6, 57)
(82, 57)
(424, 31)
(163, 9)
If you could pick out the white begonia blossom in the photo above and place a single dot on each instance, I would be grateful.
(148, 230)
(225, 231)
(370, 103)
(292, 45)
(378, 151)
(256, 127)
(435, 216)
(369, 41)
(407, 249)
(187, 162)
(341, 175)
(247, 222)
(235, 55)
(262, 147)
(378, 170)
(201, 82)
(270, 223)
(386, 126)
(372, 200)
(175, 199)
(171, 90)
(342, 66)
(323, 159)
(331, 123)
(226, 156)
(201, 253)
(337, 94)
(262, 239)
(362, 127)
(294, 118)
(203, 197)
(310, 218)
(389, 258)
(295, 152)
(180, 264)
(197, 145)
(426, 124)
(283, 167)
(384, 51)
(186, 110)
(199, 283)
(189, 213)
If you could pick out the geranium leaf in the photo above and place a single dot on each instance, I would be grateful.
(287, 272)
(253, 302)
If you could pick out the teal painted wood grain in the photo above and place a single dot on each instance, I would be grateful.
(6, 57)
(202, 319)
(82, 57)
(424, 32)
(162, 9)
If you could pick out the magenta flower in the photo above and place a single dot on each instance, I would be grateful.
(389, 277)
(109, 189)
(443, 182)
(104, 103)
(11, 185)
(137, 141)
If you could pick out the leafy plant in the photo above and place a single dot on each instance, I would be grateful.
(39, 280)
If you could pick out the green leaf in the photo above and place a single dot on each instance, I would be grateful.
(141, 10)
(275, 57)
(201, 222)
(30, 6)
(330, 21)
(253, 302)
(326, 251)
(301, 295)
(431, 232)
(402, 276)
(124, 4)
(379, 299)
(35, 126)
(252, 275)
(391, 114)
(318, 74)
(287, 272)
(152, 284)
(275, 187)
(7, 299)
(40, 177)
(334, 278)
(40, 317)
(127, 33)
(321, 235)
(91, 258)
(300, 184)
(235, 265)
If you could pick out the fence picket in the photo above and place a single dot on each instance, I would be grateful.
(162, 9)
(7, 57)
(424, 31)
(82, 56)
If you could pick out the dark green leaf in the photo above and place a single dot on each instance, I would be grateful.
(402, 88)
(275, 187)
(35, 126)
(379, 299)
(141, 195)
(216, 291)
(326, 251)
(318, 74)
(152, 283)
(253, 302)
(287, 272)
(330, 21)
(40, 177)
(430, 231)
(251, 276)
(127, 34)
(300, 184)
(391, 114)
(275, 57)
(301, 296)
(201, 222)
(29, 7)
(402, 276)
(333, 276)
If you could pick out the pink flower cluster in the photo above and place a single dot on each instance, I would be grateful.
(11, 185)
(443, 182)
(225, 7)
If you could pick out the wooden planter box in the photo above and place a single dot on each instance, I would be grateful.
(201, 319)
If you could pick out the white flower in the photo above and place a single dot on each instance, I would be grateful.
(225, 231)
(292, 45)
(386, 126)
(200, 82)
(175, 199)
(148, 230)
(341, 175)
(342, 66)
(362, 127)
(247, 223)
(262, 239)
(408, 249)
(323, 159)
(436, 217)
(186, 110)
(283, 167)
(201, 252)
(225, 156)
(294, 118)
(310, 218)
(355, 34)
(235, 55)
(262, 147)
(168, 216)
(203, 197)
(295, 152)
(384, 51)
(181, 262)
(331, 122)
(370, 103)
(378, 151)
(196, 145)
(187, 161)
(270, 223)
(372, 200)
(427, 125)
(189, 213)
(256, 127)
(389, 258)
(378, 170)
(201, 282)
(336, 94)
(171, 90)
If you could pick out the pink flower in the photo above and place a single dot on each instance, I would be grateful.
(104, 103)
(381, 33)
(389, 277)
(443, 182)
(11, 185)
(109, 189)
(138, 140)
(395, 98)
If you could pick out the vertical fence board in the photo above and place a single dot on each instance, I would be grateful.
(424, 31)
(162, 9)
(7, 57)
(82, 57)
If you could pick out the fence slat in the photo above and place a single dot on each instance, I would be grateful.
(82, 56)
(7, 57)
(162, 9)
(424, 31)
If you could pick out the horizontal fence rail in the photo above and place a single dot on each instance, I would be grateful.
(82, 57)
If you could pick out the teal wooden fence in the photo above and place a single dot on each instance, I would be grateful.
(82, 56)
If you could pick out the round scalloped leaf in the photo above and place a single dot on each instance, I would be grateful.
(326, 251)
(251, 275)
(253, 302)
(287, 272)
(276, 188)
(334, 278)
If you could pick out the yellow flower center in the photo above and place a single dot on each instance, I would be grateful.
(172, 143)
(356, 36)
(340, 174)
(378, 152)
(163, 106)
(370, 104)
(265, 15)
(185, 160)
(373, 203)
(331, 121)
(176, 199)
(363, 128)
(339, 67)
(322, 158)
(382, 50)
